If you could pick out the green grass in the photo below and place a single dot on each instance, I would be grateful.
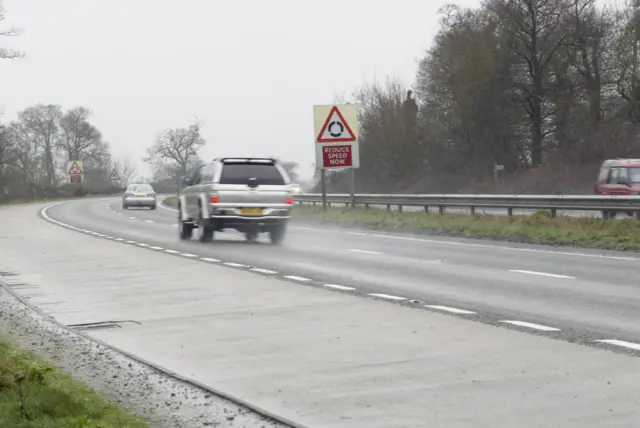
(539, 228)
(34, 394)
(171, 201)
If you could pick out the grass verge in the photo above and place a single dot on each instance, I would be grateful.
(539, 228)
(34, 394)
(171, 201)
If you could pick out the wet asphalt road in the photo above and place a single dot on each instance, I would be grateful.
(580, 295)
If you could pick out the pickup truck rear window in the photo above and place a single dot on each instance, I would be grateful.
(240, 173)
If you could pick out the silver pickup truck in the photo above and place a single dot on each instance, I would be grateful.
(250, 195)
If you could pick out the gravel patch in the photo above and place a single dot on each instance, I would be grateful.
(161, 399)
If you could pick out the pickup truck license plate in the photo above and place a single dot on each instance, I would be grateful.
(250, 211)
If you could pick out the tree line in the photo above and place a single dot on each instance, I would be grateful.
(543, 89)
(35, 148)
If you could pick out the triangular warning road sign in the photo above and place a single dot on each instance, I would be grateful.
(75, 169)
(335, 129)
(114, 176)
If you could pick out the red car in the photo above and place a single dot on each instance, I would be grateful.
(618, 177)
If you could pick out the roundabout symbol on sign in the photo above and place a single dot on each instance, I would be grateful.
(335, 134)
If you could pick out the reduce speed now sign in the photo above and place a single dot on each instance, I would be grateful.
(336, 136)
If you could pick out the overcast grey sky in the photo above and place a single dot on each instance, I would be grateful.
(251, 70)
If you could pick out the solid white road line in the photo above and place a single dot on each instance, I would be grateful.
(297, 278)
(387, 296)
(531, 325)
(630, 345)
(339, 287)
(533, 272)
(355, 250)
(267, 271)
(450, 309)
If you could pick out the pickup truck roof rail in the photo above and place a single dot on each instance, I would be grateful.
(260, 160)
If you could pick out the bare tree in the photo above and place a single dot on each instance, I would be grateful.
(41, 125)
(125, 169)
(176, 147)
(77, 136)
(6, 53)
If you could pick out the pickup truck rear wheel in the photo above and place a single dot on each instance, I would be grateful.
(205, 229)
(276, 233)
(184, 229)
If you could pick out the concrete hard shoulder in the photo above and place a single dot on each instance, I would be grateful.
(321, 358)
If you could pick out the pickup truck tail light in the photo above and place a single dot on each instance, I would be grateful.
(214, 199)
(126, 195)
(289, 200)
(153, 195)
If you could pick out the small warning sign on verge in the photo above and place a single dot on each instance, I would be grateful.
(75, 171)
(75, 168)
(114, 176)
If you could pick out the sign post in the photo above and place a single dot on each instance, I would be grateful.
(75, 171)
(336, 141)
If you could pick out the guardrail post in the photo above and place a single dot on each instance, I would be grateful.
(510, 212)
(366, 206)
(426, 209)
(473, 210)
(554, 212)
(399, 208)
(441, 209)
(389, 207)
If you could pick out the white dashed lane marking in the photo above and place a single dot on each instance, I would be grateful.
(355, 250)
(550, 275)
(207, 259)
(188, 255)
(339, 287)
(450, 309)
(531, 325)
(149, 221)
(171, 251)
(297, 278)
(624, 344)
(156, 248)
(387, 296)
(236, 265)
(267, 271)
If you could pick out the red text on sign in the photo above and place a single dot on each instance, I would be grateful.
(336, 156)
